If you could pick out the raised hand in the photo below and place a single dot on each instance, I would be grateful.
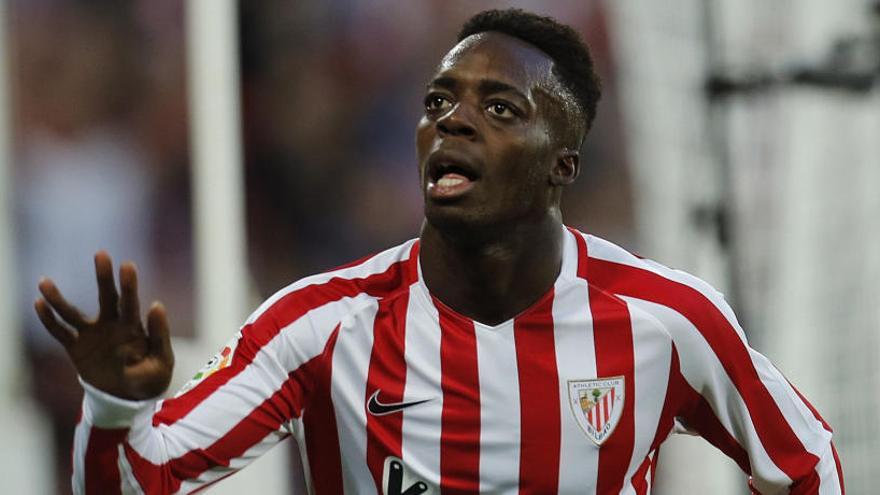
(112, 352)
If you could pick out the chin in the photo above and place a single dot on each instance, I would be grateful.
(463, 224)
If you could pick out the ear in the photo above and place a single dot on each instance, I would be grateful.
(566, 168)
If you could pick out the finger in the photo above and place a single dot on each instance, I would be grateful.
(108, 298)
(62, 334)
(64, 309)
(159, 333)
(129, 306)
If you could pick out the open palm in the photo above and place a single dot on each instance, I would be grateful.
(113, 352)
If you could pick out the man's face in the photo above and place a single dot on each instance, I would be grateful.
(484, 144)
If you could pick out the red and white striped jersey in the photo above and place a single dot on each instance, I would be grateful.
(388, 391)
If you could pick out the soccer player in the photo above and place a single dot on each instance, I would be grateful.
(500, 352)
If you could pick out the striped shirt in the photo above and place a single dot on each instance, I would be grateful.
(389, 391)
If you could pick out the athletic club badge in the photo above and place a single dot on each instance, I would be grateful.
(597, 405)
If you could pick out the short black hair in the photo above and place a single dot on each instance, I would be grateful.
(573, 65)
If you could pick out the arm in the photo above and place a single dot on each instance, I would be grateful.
(126, 438)
(736, 399)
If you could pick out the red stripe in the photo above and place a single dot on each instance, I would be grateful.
(781, 443)
(387, 374)
(285, 311)
(613, 341)
(322, 437)
(101, 468)
(266, 418)
(606, 410)
(460, 421)
(540, 432)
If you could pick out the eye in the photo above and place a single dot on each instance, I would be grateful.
(436, 103)
(501, 109)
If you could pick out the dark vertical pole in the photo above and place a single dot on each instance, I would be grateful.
(720, 216)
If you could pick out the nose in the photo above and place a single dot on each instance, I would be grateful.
(457, 122)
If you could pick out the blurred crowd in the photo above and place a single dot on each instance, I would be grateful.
(331, 93)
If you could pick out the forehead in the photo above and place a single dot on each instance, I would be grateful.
(496, 56)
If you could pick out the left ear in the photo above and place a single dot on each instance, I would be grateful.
(566, 168)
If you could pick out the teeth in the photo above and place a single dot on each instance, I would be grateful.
(449, 181)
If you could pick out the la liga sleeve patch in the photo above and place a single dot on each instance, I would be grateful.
(220, 360)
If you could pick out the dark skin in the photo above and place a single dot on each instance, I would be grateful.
(489, 251)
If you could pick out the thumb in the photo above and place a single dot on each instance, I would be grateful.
(159, 338)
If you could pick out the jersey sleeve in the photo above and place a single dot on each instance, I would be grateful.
(735, 398)
(235, 409)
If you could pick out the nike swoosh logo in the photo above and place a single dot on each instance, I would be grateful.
(377, 408)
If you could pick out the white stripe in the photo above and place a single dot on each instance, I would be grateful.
(499, 409)
(371, 266)
(421, 424)
(351, 363)
(575, 360)
(652, 354)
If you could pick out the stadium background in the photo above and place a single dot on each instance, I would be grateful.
(736, 139)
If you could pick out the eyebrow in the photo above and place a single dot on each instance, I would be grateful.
(486, 86)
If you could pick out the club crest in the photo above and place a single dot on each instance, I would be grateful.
(597, 405)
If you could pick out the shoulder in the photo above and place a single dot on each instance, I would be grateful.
(376, 276)
(653, 286)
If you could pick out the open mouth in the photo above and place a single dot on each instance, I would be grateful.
(448, 179)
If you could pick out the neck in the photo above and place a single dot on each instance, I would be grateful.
(492, 279)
